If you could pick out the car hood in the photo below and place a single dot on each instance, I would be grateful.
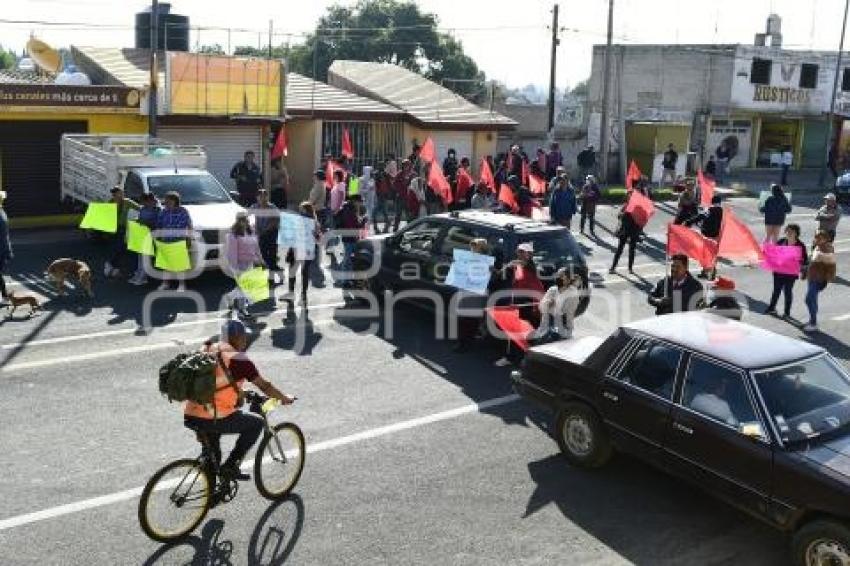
(218, 216)
(574, 351)
(833, 454)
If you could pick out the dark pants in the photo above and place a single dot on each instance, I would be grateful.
(3, 262)
(117, 248)
(381, 207)
(268, 249)
(783, 284)
(400, 207)
(632, 241)
(305, 272)
(247, 199)
(812, 292)
(248, 426)
(278, 198)
(784, 178)
(588, 211)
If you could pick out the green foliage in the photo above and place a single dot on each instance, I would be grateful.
(581, 89)
(215, 49)
(7, 58)
(278, 51)
(617, 194)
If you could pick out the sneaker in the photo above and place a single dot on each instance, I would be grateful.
(164, 286)
(787, 317)
(138, 281)
(232, 472)
(181, 287)
(612, 271)
(771, 312)
(107, 269)
(810, 327)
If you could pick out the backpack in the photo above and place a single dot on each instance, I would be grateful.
(189, 377)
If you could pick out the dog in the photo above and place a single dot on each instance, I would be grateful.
(16, 301)
(65, 268)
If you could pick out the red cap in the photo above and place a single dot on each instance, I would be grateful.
(724, 284)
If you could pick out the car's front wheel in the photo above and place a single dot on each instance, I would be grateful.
(822, 543)
(581, 436)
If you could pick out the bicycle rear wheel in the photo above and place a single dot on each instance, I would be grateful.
(175, 500)
(279, 461)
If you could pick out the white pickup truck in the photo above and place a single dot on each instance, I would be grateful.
(93, 164)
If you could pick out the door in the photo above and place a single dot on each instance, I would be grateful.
(224, 146)
(637, 400)
(716, 438)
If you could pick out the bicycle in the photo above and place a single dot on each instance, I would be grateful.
(189, 488)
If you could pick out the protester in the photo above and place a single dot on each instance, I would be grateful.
(538, 165)
(562, 204)
(554, 159)
(558, 307)
(828, 216)
(822, 271)
(368, 192)
(148, 215)
(308, 256)
(464, 185)
(553, 182)
(118, 240)
(400, 196)
(784, 282)
(450, 166)
(351, 222)
(383, 195)
(775, 209)
(711, 168)
(391, 167)
(417, 198)
(787, 161)
(318, 198)
(468, 325)
(338, 193)
(679, 291)
(515, 162)
(520, 276)
(249, 179)
(723, 157)
(721, 299)
(668, 164)
(279, 181)
(267, 222)
(710, 221)
(242, 250)
(687, 205)
(174, 224)
(628, 231)
(500, 176)
(482, 199)
(590, 195)
(586, 161)
(6, 254)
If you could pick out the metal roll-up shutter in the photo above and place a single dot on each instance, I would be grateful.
(224, 146)
(30, 165)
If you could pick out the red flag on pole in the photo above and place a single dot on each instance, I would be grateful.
(640, 207)
(426, 152)
(281, 145)
(486, 174)
(506, 196)
(525, 173)
(464, 183)
(515, 328)
(683, 240)
(347, 148)
(537, 184)
(439, 184)
(736, 241)
(706, 188)
(633, 175)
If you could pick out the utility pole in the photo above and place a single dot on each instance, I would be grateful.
(606, 97)
(152, 109)
(831, 116)
(550, 124)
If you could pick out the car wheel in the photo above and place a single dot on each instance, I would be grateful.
(581, 436)
(822, 543)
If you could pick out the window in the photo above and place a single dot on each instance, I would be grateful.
(653, 369)
(718, 393)
(808, 76)
(760, 71)
(458, 238)
(193, 189)
(845, 81)
(420, 237)
(133, 187)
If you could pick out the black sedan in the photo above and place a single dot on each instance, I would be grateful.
(759, 419)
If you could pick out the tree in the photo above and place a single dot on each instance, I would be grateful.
(7, 58)
(278, 52)
(386, 31)
(581, 89)
(215, 49)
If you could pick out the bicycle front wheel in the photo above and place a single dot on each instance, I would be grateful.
(279, 461)
(175, 500)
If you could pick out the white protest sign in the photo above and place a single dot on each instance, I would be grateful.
(470, 271)
(296, 233)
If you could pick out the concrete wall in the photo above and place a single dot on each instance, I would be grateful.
(304, 137)
(98, 123)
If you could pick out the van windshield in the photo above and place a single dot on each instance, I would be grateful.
(193, 189)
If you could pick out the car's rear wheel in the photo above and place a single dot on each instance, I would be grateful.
(822, 543)
(581, 436)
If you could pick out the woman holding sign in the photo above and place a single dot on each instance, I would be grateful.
(784, 282)
(174, 225)
(243, 253)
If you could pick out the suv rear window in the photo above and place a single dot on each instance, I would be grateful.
(554, 249)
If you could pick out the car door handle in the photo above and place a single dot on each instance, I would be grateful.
(610, 396)
(682, 428)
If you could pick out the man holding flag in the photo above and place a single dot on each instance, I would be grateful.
(679, 291)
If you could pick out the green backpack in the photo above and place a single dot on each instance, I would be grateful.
(189, 377)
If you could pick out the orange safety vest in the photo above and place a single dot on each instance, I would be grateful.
(225, 398)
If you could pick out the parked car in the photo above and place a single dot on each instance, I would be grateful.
(419, 256)
(842, 188)
(759, 419)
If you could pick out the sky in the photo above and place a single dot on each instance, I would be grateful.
(510, 41)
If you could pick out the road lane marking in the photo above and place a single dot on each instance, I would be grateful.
(128, 494)
(841, 318)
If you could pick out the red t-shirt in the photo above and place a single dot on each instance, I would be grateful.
(464, 183)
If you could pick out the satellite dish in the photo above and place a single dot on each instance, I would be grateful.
(44, 56)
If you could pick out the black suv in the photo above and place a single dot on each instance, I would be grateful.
(418, 257)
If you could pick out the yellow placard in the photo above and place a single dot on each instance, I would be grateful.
(354, 186)
(139, 238)
(255, 284)
(172, 256)
(101, 216)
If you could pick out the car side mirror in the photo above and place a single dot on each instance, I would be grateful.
(753, 430)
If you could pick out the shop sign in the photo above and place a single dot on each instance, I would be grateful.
(765, 93)
(68, 96)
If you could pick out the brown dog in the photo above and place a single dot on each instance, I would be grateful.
(65, 268)
(16, 301)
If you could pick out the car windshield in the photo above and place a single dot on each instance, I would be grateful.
(193, 189)
(554, 249)
(806, 399)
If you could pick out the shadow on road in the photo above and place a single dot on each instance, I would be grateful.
(208, 549)
(277, 532)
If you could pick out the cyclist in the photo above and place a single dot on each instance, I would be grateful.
(224, 417)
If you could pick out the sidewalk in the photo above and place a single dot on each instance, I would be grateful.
(753, 181)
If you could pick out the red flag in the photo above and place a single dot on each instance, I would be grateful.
(329, 172)
(439, 184)
(633, 175)
(515, 328)
(347, 148)
(683, 240)
(281, 145)
(506, 196)
(640, 207)
(464, 183)
(706, 189)
(525, 172)
(537, 184)
(736, 241)
(486, 175)
(426, 152)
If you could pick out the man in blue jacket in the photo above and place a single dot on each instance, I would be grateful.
(562, 205)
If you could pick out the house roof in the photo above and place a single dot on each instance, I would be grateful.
(423, 100)
(14, 76)
(117, 66)
(307, 97)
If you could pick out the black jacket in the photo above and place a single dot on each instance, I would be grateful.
(666, 300)
(709, 220)
(586, 158)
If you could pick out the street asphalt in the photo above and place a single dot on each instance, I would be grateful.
(418, 455)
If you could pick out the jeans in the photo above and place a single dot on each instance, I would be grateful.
(117, 247)
(588, 210)
(348, 252)
(305, 272)
(814, 288)
(632, 240)
(782, 284)
(248, 426)
(784, 178)
(268, 249)
(380, 206)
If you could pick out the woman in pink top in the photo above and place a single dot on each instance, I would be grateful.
(338, 192)
(242, 252)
